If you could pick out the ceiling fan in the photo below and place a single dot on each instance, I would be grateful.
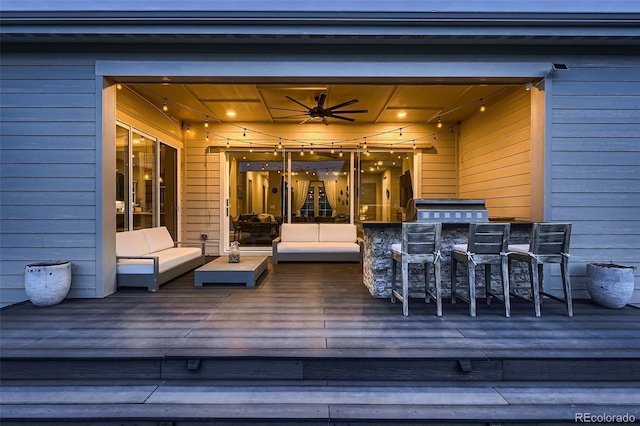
(319, 112)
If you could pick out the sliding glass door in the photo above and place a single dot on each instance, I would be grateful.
(146, 181)
(269, 188)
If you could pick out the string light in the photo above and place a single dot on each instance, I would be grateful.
(301, 151)
(165, 108)
(275, 150)
(280, 144)
(390, 149)
(311, 149)
(341, 154)
(206, 121)
(414, 144)
(227, 142)
(207, 137)
(439, 123)
(333, 151)
(250, 147)
(364, 146)
(482, 107)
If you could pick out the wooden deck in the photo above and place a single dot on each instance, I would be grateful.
(309, 342)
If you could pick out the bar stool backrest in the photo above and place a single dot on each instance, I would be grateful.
(421, 238)
(488, 238)
(550, 239)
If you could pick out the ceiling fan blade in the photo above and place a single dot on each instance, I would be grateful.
(351, 102)
(321, 99)
(305, 120)
(288, 109)
(342, 118)
(291, 116)
(352, 111)
(299, 103)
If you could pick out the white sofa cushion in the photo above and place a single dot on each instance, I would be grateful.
(158, 238)
(460, 247)
(167, 259)
(131, 243)
(519, 248)
(318, 247)
(299, 232)
(337, 232)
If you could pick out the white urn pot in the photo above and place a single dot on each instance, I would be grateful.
(47, 283)
(609, 284)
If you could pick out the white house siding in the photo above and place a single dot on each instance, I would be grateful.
(594, 168)
(48, 167)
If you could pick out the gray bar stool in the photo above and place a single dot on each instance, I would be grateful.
(487, 245)
(420, 244)
(549, 244)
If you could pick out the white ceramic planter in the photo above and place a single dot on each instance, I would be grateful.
(47, 283)
(609, 284)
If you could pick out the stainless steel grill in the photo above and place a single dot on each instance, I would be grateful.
(448, 211)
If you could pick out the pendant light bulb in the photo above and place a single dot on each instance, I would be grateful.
(311, 150)
(165, 108)
(414, 145)
(275, 150)
(250, 147)
(207, 137)
(439, 123)
(244, 132)
(333, 151)
(280, 143)
(482, 107)
(400, 135)
(206, 121)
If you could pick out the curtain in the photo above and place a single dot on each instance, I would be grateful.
(300, 193)
(332, 194)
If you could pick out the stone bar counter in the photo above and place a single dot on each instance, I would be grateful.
(376, 262)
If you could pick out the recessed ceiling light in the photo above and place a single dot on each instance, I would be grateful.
(402, 114)
(231, 113)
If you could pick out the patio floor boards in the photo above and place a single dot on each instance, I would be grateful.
(315, 325)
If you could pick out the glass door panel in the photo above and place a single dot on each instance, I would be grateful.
(320, 187)
(122, 179)
(143, 194)
(168, 182)
(385, 181)
(257, 197)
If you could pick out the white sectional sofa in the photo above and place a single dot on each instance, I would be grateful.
(317, 242)
(149, 257)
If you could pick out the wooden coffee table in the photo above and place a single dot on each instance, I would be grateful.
(220, 271)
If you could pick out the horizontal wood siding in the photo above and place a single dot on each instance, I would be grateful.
(595, 162)
(495, 155)
(48, 170)
(439, 178)
(203, 193)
